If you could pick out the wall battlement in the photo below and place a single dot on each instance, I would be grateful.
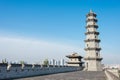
(12, 71)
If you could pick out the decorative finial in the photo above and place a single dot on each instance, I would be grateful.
(91, 11)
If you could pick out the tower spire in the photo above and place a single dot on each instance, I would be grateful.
(91, 11)
(92, 58)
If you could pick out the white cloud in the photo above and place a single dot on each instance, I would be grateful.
(16, 49)
(31, 50)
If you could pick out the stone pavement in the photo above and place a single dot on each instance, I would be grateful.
(78, 75)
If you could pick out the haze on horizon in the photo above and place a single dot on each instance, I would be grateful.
(33, 30)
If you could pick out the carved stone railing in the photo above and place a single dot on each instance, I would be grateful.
(88, 40)
(94, 32)
(95, 48)
(94, 25)
(94, 19)
(92, 58)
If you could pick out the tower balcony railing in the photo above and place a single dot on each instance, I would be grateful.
(92, 32)
(93, 25)
(93, 58)
(93, 48)
(93, 19)
(91, 40)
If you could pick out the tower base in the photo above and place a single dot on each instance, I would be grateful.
(93, 65)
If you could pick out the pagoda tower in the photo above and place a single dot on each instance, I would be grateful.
(92, 48)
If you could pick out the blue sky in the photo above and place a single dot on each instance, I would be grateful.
(54, 28)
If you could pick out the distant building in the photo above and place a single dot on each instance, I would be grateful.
(112, 66)
(74, 60)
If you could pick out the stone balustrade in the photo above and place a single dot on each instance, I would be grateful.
(12, 71)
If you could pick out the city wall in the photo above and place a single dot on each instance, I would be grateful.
(13, 71)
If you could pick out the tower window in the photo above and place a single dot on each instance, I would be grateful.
(88, 30)
(87, 45)
(87, 65)
(95, 36)
(97, 54)
(96, 45)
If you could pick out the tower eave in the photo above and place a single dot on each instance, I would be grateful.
(97, 33)
(74, 56)
(90, 58)
(89, 40)
(98, 49)
(74, 62)
(94, 20)
(89, 26)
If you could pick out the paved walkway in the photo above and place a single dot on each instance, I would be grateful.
(78, 75)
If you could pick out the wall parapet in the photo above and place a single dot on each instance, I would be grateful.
(13, 71)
